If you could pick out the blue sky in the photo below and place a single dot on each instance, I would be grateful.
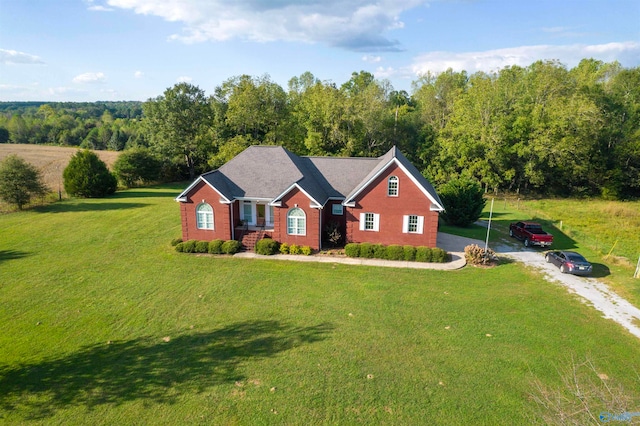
(89, 50)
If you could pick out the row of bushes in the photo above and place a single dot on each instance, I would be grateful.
(269, 247)
(396, 252)
(211, 247)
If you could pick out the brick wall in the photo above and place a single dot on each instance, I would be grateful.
(221, 215)
(289, 201)
(410, 201)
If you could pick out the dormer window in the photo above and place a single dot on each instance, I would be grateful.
(392, 186)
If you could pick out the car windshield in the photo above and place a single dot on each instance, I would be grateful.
(575, 257)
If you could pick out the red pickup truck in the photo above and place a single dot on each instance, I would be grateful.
(531, 233)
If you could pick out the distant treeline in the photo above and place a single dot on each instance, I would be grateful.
(542, 128)
(94, 125)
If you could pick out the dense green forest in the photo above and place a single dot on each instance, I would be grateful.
(543, 128)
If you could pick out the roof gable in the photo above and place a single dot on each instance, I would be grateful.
(394, 156)
(270, 172)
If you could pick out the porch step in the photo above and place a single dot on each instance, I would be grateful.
(249, 239)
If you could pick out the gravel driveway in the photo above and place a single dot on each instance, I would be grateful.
(593, 292)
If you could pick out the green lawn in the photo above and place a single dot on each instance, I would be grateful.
(102, 322)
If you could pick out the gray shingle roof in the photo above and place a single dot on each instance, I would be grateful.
(266, 172)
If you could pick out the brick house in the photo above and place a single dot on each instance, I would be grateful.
(269, 191)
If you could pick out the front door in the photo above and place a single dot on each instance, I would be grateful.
(260, 215)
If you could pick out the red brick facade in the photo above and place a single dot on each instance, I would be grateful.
(296, 198)
(221, 215)
(410, 201)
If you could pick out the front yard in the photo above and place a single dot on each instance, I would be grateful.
(104, 323)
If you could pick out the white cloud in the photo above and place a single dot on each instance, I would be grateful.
(10, 88)
(55, 91)
(97, 7)
(100, 9)
(371, 58)
(359, 25)
(184, 79)
(14, 57)
(382, 72)
(493, 60)
(90, 77)
(138, 74)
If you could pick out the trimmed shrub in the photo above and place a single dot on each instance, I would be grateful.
(294, 249)
(366, 250)
(215, 247)
(438, 255)
(284, 248)
(175, 242)
(267, 246)
(423, 254)
(87, 176)
(463, 199)
(379, 251)
(409, 253)
(231, 247)
(202, 247)
(352, 250)
(395, 252)
(179, 247)
(189, 246)
(306, 250)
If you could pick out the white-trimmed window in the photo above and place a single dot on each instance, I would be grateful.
(369, 222)
(412, 224)
(204, 216)
(270, 216)
(296, 222)
(247, 212)
(392, 186)
(337, 209)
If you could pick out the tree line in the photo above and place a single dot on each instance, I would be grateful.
(92, 125)
(543, 128)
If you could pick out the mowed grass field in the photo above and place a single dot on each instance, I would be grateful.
(102, 322)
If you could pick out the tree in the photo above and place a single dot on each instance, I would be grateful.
(463, 201)
(19, 181)
(88, 176)
(4, 135)
(137, 166)
(177, 124)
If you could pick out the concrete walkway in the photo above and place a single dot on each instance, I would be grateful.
(450, 243)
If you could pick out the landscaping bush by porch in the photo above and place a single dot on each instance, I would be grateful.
(267, 246)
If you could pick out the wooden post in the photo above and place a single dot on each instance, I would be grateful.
(637, 274)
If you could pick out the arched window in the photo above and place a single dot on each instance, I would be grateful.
(392, 186)
(296, 222)
(204, 216)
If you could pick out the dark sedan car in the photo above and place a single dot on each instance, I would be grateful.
(569, 262)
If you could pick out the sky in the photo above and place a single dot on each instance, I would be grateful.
(110, 50)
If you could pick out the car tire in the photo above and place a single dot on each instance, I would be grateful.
(511, 232)
(548, 258)
(526, 242)
(563, 269)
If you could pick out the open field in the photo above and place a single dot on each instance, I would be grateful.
(103, 323)
(51, 160)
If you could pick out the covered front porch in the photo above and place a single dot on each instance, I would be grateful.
(255, 221)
